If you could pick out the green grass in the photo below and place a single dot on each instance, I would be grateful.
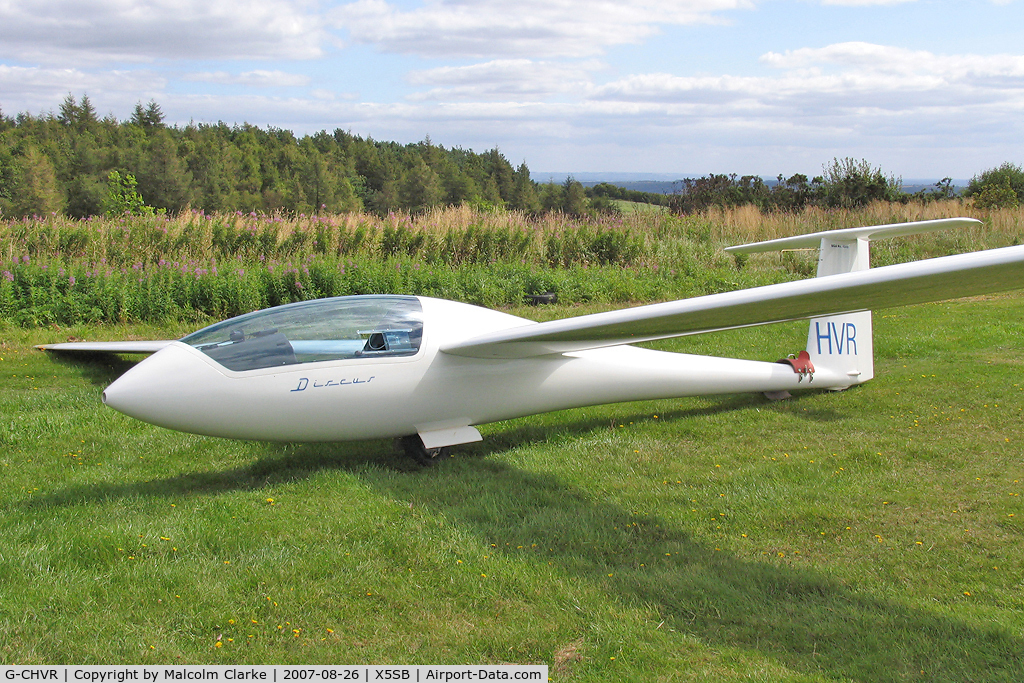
(626, 206)
(869, 535)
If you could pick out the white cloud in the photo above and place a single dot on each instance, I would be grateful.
(864, 3)
(104, 31)
(38, 89)
(846, 77)
(504, 78)
(880, 62)
(529, 28)
(258, 78)
(852, 54)
(870, 100)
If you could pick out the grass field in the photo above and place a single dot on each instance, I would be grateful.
(869, 535)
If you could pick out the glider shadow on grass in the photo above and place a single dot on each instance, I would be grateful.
(286, 462)
(98, 369)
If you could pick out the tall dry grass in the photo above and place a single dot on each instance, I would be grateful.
(462, 234)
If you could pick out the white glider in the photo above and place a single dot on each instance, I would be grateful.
(427, 370)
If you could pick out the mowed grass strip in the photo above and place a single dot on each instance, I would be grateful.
(873, 534)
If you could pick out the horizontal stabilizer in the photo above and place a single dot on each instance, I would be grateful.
(947, 277)
(871, 232)
(107, 347)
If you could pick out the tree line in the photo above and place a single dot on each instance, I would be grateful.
(76, 163)
(65, 163)
(845, 183)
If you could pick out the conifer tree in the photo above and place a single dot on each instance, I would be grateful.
(35, 190)
(420, 188)
(574, 197)
(524, 191)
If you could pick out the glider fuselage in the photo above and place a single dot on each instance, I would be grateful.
(184, 388)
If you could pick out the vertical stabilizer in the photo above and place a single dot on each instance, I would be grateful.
(842, 343)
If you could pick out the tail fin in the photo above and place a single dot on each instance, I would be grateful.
(842, 344)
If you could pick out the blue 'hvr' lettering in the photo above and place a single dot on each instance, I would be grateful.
(844, 335)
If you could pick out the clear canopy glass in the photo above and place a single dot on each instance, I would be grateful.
(310, 331)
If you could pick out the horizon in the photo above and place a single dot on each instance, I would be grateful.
(585, 177)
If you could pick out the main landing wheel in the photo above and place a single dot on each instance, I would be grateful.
(414, 448)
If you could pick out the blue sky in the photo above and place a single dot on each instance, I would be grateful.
(921, 88)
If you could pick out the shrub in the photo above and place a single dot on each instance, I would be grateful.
(994, 187)
(848, 183)
(996, 196)
(122, 197)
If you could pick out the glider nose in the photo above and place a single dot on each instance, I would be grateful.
(134, 392)
(119, 396)
(163, 389)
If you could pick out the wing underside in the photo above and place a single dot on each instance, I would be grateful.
(935, 279)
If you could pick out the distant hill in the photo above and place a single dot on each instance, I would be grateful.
(655, 186)
(659, 183)
(589, 178)
(666, 183)
(910, 186)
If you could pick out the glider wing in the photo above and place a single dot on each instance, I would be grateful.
(106, 347)
(937, 279)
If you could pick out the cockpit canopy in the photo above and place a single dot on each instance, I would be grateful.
(310, 331)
